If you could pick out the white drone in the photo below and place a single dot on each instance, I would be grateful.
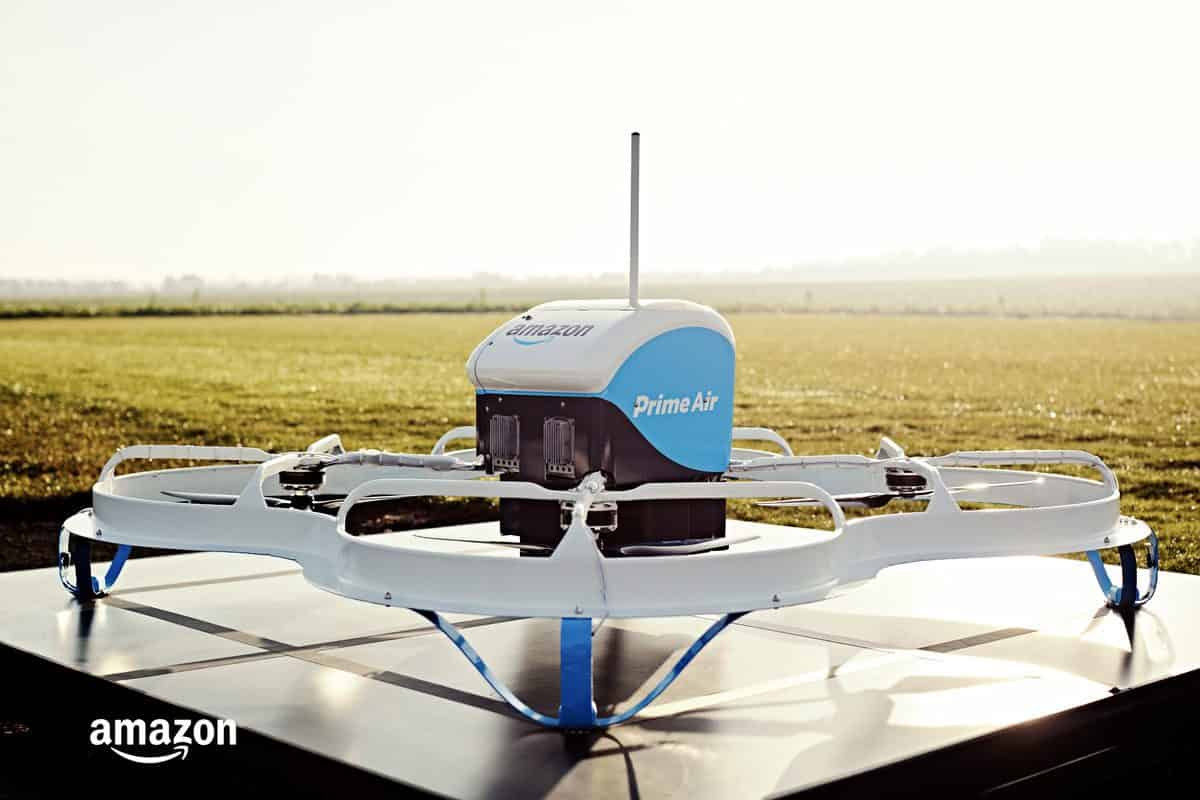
(610, 427)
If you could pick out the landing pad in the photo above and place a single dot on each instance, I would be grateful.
(974, 674)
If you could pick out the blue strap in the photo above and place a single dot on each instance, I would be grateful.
(497, 685)
(1106, 585)
(577, 709)
(114, 570)
(1127, 595)
(76, 551)
(670, 677)
(1152, 543)
(1128, 592)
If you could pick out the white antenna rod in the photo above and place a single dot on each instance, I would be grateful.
(633, 222)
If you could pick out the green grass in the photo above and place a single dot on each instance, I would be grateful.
(73, 390)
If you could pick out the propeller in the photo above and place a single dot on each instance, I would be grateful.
(859, 500)
(216, 499)
(881, 499)
(664, 548)
(683, 546)
(274, 501)
(371, 498)
(501, 542)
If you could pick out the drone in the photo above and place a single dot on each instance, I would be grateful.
(604, 429)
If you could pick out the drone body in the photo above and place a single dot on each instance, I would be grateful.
(604, 428)
(637, 394)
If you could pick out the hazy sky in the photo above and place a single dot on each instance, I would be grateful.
(141, 139)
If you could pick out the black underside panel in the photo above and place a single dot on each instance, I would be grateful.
(556, 441)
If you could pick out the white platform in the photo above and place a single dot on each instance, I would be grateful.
(926, 656)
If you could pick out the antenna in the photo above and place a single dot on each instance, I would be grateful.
(633, 220)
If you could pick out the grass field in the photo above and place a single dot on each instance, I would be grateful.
(73, 390)
(1138, 294)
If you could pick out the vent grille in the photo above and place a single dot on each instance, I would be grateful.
(504, 442)
(558, 447)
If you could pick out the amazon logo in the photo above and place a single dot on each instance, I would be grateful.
(158, 741)
(536, 333)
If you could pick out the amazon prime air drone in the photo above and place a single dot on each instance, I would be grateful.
(605, 430)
